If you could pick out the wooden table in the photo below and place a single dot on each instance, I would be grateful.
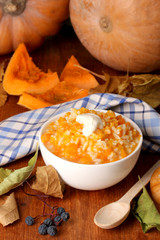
(82, 205)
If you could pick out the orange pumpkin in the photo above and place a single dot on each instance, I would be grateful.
(155, 185)
(29, 21)
(124, 35)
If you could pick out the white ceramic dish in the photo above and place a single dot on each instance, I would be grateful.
(90, 177)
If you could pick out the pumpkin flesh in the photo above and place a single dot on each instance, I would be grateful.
(125, 35)
(76, 76)
(61, 93)
(23, 75)
(31, 102)
(39, 89)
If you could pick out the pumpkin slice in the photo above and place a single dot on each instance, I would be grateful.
(31, 102)
(23, 75)
(76, 76)
(62, 92)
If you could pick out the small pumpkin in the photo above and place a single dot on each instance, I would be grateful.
(155, 185)
(124, 35)
(23, 75)
(29, 21)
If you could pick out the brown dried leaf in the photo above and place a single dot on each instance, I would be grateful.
(142, 78)
(148, 92)
(3, 95)
(115, 82)
(101, 88)
(124, 87)
(8, 210)
(142, 86)
(48, 182)
(2, 71)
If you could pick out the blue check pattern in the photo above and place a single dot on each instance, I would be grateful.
(19, 134)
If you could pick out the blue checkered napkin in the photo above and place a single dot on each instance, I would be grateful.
(19, 134)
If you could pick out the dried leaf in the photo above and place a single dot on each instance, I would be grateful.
(48, 182)
(115, 83)
(3, 95)
(2, 71)
(101, 88)
(148, 92)
(124, 87)
(10, 179)
(142, 86)
(142, 78)
(8, 210)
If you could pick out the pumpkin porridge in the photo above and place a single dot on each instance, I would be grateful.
(91, 137)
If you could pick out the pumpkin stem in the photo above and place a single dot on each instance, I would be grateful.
(13, 7)
(106, 24)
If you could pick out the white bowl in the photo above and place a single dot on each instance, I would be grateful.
(87, 176)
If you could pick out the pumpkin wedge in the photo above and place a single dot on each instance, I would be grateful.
(62, 92)
(23, 75)
(76, 76)
(31, 102)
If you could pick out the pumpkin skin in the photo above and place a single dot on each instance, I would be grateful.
(155, 185)
(29, 22)
(125, 35)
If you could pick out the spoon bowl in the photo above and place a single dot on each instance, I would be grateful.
(113, 214)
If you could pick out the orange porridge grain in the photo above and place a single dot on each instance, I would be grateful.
(116, 140)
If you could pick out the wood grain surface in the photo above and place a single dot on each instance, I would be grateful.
(82, 205)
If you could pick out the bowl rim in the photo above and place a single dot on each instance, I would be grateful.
(91, 165)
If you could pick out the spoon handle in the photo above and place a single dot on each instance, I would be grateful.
(139, 185)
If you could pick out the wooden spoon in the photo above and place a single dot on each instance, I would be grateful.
(113, 214)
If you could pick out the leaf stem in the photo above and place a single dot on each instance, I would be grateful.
(38, 196)
(95, 74)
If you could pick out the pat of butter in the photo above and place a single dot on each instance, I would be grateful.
(90, 122)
